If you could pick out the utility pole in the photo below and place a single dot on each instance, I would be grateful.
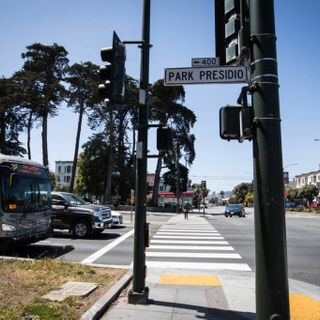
(139, 292)
(272, 300)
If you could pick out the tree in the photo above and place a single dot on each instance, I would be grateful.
(92, 166)
(46, 65)
(28, 98)
(83, 79)
(241, 190)
(166, 106)
(114, 124)
(308, 192)
(12, 120)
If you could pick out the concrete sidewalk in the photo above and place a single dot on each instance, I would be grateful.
(208, 294)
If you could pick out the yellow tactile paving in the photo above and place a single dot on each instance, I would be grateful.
(303, 307)
(190, 280)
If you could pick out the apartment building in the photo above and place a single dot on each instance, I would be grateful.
(304, 179)
(63, 173)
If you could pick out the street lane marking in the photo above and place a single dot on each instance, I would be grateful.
(190, 280)
(215, 233)
(303, 307)
(107, 248)
(183, 227)
(198, 265)
(187, 237)
(217, 248)
(187, 230)
(189, 242)
(194, 255)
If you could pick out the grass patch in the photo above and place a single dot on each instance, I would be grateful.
(24, 282)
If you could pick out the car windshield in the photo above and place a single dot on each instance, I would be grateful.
(234, 206)
(73, 199)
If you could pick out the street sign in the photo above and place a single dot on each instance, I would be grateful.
(223, 74)
(205, 62)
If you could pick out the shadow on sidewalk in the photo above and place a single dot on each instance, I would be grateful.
(205, 312)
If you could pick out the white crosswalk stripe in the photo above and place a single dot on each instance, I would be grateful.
(192, 244)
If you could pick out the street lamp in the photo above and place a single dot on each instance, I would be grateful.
(290, 164)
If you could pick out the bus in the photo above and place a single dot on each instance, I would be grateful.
(25, 201)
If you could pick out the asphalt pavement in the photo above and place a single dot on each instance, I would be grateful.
(215, 291)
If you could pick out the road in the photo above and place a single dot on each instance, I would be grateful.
(303, 241)
(217, 242)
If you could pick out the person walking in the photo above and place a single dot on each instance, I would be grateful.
(186, 210)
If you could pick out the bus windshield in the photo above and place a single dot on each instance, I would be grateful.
(24, 188)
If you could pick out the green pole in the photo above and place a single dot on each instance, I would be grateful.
(272, 301)
(139, 292)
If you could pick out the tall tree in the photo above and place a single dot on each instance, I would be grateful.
(83, 79)
(47, 64)
(115, 124)
(166, 106)
(12, 120)
(28, 97)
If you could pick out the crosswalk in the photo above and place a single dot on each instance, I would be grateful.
(192, 244)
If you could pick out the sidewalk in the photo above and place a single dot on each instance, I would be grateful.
(208, 294)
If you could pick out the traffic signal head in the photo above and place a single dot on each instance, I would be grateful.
(113, 73)
(164, 140)
(232, 30)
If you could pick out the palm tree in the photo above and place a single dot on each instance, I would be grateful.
(83, 79)
(46, 65)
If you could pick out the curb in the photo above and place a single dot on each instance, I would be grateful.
(101, 306)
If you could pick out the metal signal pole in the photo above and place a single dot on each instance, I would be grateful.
(139, 292)
(272, 300)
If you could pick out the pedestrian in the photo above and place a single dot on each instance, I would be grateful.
(186, 210)
(116, 203)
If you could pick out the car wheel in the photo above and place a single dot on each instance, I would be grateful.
(81, 229)
(226, 215)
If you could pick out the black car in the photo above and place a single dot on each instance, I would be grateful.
(81, 218)
(234, 209)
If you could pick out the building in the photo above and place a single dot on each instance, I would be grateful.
(304, 179)
(63, 173)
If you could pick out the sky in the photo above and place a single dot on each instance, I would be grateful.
(180, 30)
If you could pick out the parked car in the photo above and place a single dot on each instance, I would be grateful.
(234, 209)
(313, 205)
(117, 218)
(81, 218)
(290, 204)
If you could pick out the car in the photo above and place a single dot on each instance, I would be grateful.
(234, 209)
(117, 218)
(290, 204)
(78, 216)
(313, 205)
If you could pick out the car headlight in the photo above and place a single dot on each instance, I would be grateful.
(96, 213)
(8, 227)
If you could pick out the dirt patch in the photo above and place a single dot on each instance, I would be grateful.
(23, 283)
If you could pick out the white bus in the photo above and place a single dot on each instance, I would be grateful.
(25, 201)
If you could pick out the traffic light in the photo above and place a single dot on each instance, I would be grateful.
(204, 185)
(232, 30)
(113, 73)
(164, 140)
